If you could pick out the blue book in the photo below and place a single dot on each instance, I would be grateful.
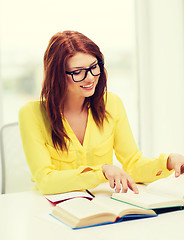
(81, 212)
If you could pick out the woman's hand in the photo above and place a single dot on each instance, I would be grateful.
(176, 161)
(119, 179)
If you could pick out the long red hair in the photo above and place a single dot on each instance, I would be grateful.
(61, 47)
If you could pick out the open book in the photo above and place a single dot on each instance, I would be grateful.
(81, 212)
(164, 193)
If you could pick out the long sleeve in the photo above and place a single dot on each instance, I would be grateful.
(141, 169)
(48, 177)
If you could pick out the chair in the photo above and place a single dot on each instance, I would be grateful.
(16, 175)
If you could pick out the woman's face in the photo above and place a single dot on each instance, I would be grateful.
(85, 88)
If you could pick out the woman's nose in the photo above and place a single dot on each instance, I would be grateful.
(89, 75)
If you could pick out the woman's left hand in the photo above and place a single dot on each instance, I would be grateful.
(176, 161)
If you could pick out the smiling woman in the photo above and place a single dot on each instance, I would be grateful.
(70, 134)
(73, 50)
(21, 59)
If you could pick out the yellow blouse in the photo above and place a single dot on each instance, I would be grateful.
(58, 171)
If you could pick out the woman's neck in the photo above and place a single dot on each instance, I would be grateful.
(74, 105)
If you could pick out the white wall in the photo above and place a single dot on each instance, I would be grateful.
(160, 41)
(1, 120)
(1, 110)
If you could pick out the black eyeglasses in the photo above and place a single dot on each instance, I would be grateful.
(80, 74)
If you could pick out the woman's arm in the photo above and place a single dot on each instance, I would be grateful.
(140, 168)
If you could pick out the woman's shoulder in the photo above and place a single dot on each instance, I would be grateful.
(112, 97)
(31, 106)
(114, 105)
(32, 109)
(112, 100)
(33, 112)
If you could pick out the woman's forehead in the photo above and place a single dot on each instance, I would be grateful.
(80, 60)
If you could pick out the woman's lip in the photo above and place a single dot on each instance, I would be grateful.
(88, 86)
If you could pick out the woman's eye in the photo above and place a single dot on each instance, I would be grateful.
(94, 66)
(77, 72)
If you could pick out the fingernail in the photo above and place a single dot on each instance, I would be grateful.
(177, 174)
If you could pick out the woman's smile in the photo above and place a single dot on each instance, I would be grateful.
(88, 86)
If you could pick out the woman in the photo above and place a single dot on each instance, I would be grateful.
(69, 135)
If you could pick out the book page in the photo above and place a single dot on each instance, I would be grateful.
(118, 208)
(170, 186)
(148, 200)
(102, 190)
(83, 208)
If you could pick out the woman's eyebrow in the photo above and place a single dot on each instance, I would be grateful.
(85, 67)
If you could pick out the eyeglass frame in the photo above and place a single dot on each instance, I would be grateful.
(87, 70)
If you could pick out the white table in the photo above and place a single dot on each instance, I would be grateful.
(22, 217)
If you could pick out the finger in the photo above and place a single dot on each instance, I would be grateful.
(111, 182)
(124, 184)
(118, 184)
(133, 186)
(177, 169)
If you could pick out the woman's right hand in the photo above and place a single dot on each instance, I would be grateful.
(119, 179)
